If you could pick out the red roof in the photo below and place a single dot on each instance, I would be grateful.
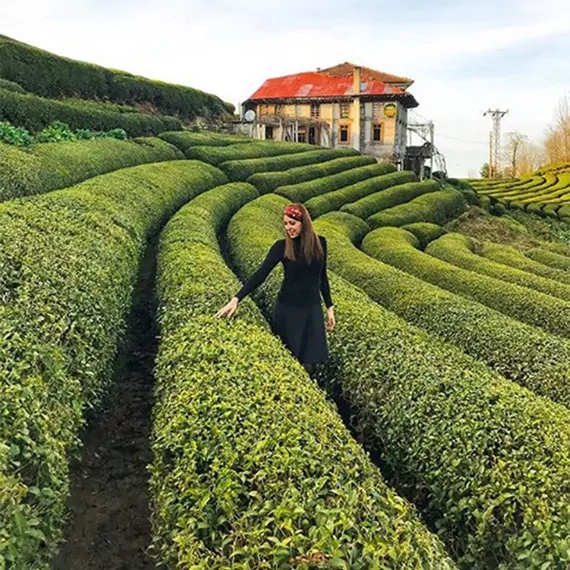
(347, 68)
(316, 85)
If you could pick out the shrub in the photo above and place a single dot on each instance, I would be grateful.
(522, 353)
(11, 86)
(549, 258)
(261, 473)
(68, 265)
(436, 207)
(399, 194)
(459, 250)
(241, 170)
(15, 135)
(330, 201)
(185, 139)
(49, 75)
(425, 232)
(487, 460)
(35, 113)
(51, 166)
(509, 256)
(267, 182)
(216, 154)
(306, 190)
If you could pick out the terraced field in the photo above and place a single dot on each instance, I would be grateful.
(450, 360)
(546, 192)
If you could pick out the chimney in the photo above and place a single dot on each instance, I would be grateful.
(356, 81)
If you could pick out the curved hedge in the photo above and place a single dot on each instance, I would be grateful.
(35, 113)
(425, 232)
(50, 75)
(261, 473)
(51, 166)
(267, 182)
(241, 170)
(68, 265)
(459, 250)
(487, 460)
(183, 140)
(400, 194)
(330, 201)
(306, 190)
(525, 305)
(520, 352)
(510, 256)
(217, 154)
(11, 86)
(436, 207)
(550, 258)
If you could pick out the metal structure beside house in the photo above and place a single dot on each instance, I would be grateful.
(341, 106)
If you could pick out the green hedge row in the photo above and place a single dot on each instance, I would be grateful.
(436, 207)
(400, 194)
(253, 466)
(68, 264)
(520, 352)
(425, 232)
(324, 203)
(508, 255)
(550, 258)
(34, 113)
(267, 182)
(11, 86)
(459, 250)
(526, 305)
(50, 75)
(185, 139)
(241, 170)
(51, 166)
(217, 154)
(304, 191)
(487, 460)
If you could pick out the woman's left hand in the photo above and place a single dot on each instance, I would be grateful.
(331, 321)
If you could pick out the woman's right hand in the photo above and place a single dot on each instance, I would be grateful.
(229, 309)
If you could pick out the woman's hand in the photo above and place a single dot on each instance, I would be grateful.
(331, 321)
(229, 309)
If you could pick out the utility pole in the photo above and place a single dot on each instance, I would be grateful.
(495, 141)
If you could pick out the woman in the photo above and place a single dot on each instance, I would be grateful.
(297, 317)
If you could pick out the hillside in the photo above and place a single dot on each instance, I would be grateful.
(52, 76)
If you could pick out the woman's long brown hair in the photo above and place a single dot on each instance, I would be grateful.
(310, 245)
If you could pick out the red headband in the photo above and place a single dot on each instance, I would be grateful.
(294, 212)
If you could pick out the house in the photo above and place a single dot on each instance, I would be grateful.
(341, 106)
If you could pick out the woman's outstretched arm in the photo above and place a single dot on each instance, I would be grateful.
(272, 258)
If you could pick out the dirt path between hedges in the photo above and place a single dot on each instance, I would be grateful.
(109, 526)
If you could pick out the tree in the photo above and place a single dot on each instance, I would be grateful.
(557, 142)
(515, 142)
(485, 170)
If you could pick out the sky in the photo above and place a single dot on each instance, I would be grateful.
(465, 57)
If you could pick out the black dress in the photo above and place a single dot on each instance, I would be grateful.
(297, 316)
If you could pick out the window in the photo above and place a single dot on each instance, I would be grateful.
(279, 109)
(344, 110)
(315, 110)
(344, 134)
(377, 132)
(376, 110)
(268, 132)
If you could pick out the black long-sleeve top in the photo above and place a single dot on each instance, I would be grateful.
(303, 282)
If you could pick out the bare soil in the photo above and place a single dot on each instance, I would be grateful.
(109, 526)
